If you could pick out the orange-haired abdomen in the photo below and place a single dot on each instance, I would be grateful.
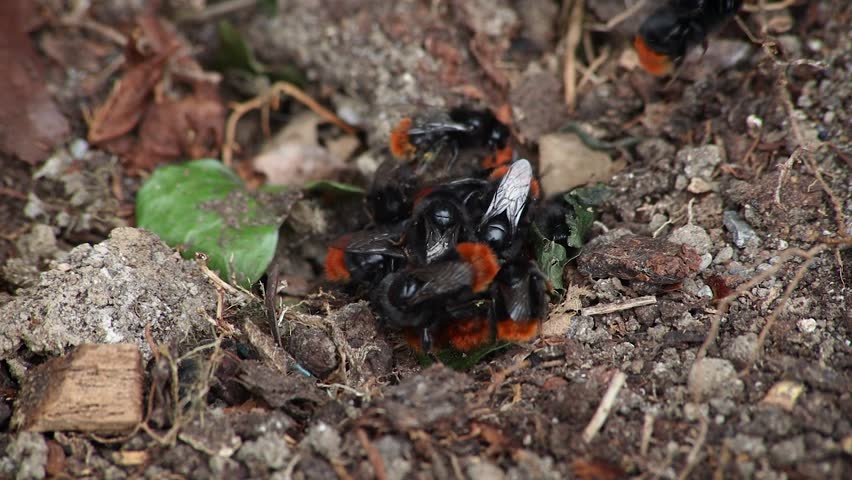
(335, 265)
(499, 158)
(484, 263)
(466, 335)
(400, 146)
(654, 63)
(412, 338)
(512, 331)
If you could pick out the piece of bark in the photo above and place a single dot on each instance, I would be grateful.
(96, 388)
(644, 259)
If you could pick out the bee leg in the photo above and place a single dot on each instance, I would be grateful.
(454, 155)
(426, 340)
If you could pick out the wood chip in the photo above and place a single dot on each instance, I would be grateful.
(97, 388)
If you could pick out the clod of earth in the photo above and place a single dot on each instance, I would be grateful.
(642, 259)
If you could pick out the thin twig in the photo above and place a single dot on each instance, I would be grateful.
(692, 458)
(619, 306)
(770, 320)
(372, 454)
(768, 7)
(217, 10)
(271, 98)
(604, 408)
(614, 21)
(589, 73)
(647, 433)
(725, 303)
(572, 40)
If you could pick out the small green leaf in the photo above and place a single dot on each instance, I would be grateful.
(333, 187)
(462, 361)
(234, 52)
(205, 207)
(270, 7)
(592, 196)
(551, 257)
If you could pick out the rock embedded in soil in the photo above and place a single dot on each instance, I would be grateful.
(694, 236)
(699, 162)
(269, 451)
(566, 162)
(26, 457)
(312, 348)
(714, 378)
(643, 259)
(108, 293)
(742, 232)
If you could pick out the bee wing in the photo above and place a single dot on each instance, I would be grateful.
(439, 126)
(383, 242)
(512, 193)
(442, 279)
(516, 299)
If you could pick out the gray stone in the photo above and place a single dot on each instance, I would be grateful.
(789, 451)
(484, 470)
(740, 349)
(714, 378)
(108, 293)
(700, 161)
(724, 255)
(324, 440)
(396, 454)
(742, 232)
(693, 236)
(270, 450)
(27, 457)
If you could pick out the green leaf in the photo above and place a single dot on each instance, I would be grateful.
(462, 361)
(551, 257)
(234, 52)
(592, 196)
(204, 206)
(270, 7)
(333, 187)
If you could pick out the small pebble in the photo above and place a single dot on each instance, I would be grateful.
(714, 378)
(742, 232)
(807, 325)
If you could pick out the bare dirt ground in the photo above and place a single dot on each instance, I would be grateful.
(741, 372)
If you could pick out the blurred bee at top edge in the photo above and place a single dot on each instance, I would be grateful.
(425, 138)
(425, 147)
(666, 36)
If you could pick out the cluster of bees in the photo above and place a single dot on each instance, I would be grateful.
(448, 258)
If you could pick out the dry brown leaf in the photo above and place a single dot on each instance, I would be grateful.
(294, 156)
(32, 124)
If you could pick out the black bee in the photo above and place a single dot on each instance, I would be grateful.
(520, 299)
(424, 139)
(554, 218)
(671, 30)
(500, 224)
(418, 299)
(444, 216)
(365, 256)
(390, 198)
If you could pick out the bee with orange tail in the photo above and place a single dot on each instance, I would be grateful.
(416, 299)
(364, 257)
(666, 36)
(520, 300)
(427, 137)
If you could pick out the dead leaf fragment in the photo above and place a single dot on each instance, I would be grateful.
(294, 156)
(32, 124)
(784, 394)
(566, 162)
